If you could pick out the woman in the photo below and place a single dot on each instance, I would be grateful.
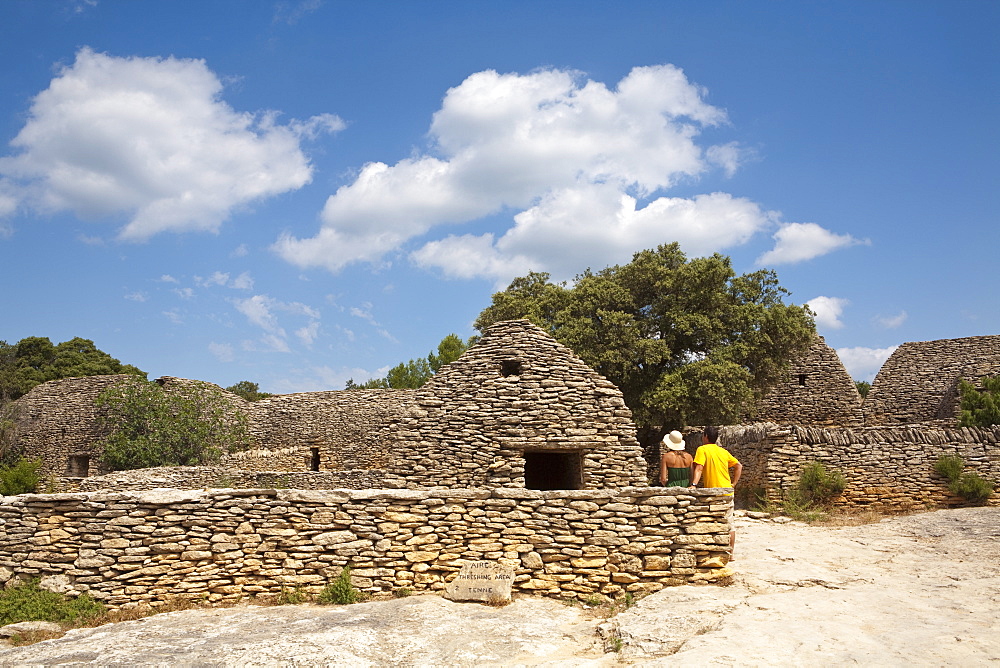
(675, 464)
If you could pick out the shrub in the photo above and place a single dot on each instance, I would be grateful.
(970, 486)
(949, 466)
(817, 485)
(149, 427)
(340, 591)
(293, 596)
(21, 478)
(973, 488)
(29, 602)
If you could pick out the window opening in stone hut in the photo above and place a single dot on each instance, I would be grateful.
(314, 459)
(510, 368)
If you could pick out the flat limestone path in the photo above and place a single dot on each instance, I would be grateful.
(920, 590)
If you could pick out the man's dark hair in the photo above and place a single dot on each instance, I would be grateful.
(712, 434)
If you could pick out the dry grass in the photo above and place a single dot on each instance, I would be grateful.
(119, 615)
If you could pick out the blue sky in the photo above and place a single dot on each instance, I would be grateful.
(301, 192)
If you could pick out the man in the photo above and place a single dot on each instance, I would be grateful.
(712, 463)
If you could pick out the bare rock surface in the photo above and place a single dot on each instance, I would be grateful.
(920, 590)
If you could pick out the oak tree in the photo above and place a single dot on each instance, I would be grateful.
(688, 341)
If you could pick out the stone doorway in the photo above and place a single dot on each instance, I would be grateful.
(548, 469)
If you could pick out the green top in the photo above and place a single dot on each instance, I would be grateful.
(679, 477)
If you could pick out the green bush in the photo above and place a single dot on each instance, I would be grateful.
(970, 486)
(973, 488)
(340, 591)
(817, 485)
(21, 478)
(148, 427)
(949, 466)
(28, 602)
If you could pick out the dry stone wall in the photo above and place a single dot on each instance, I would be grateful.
(228, 545)
(887, 469)
(918, 384)
(818, 392)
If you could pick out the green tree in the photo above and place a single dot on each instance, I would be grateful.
(35, 360)
(247, 390)
(149, 427)
(980, 408)
(863, 387)
(686, 341)
(413, 374)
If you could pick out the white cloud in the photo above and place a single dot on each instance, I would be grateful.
(258, 309)
(8, 199)
(167, 278)
(292, 12)
(137, 296)
(546, 144)
(240, 251)
(242, 282)
(174, 316)
(184, 293)
(364, 313)
(828, 311)
(221, 351)
(891, 321)
(262, 311)
(308, 333)
(605, 228)
(796, 242)
(151, 139)
(217, 278)
(864, 363)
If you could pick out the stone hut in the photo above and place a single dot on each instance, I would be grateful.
(518, 409)
(57, 423)
(919, 382)
(818, 392)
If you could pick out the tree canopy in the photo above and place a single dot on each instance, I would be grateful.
(687, 341)
(413, 374)
(248, 390)
(35, 360)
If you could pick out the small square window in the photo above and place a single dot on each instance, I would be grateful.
(510, 368)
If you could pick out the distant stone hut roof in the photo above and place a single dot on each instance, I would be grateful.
(348, 426)
(919, 382)
(817, 391)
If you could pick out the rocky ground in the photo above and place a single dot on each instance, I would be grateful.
(921, 590)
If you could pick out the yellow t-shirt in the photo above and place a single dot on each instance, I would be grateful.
(717, 462)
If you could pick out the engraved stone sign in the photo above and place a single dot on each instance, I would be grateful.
(481, 581)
